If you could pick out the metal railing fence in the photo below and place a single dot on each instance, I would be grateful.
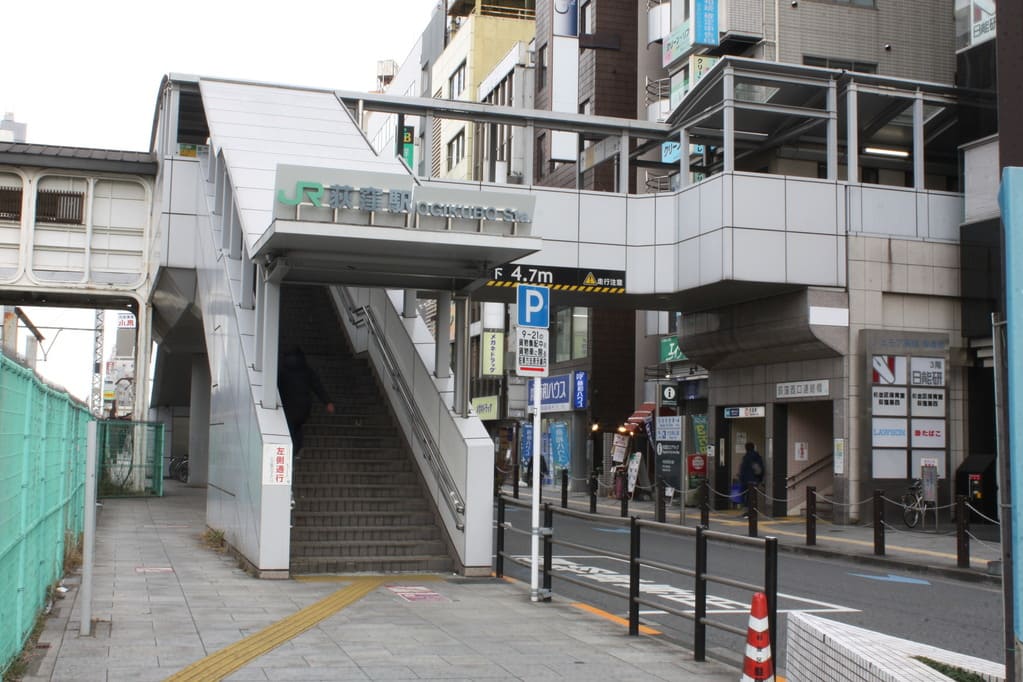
(699, 573)
(130, 458)
(42, 476)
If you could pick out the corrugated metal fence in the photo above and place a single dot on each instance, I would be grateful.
(42, 477)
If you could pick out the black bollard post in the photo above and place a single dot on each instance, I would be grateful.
(811, 515)
(564, 488)
(593, 492)
(499, 568)
(625, 503)
(962, 537)
(548, 549)
(705, 503)
(515, 484)
(751, 505)
(879, 522)
(659, 503)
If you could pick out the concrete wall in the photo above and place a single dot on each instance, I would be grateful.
(821, 649)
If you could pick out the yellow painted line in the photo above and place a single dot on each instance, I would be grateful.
(219, 665)
(613, 618)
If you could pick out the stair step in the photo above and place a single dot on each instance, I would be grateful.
(369, 564)
(363, 504)
(360, 519)
(349, 491)
(367, 548)
(310, 534)
(359, 478)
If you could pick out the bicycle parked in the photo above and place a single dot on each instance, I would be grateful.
(913, 505)
(179, 468)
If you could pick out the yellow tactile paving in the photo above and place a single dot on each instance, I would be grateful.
(219, 665)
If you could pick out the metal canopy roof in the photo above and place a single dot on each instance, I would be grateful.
(785, 104)
(393, 257)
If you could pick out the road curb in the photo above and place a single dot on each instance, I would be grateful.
(965, 574)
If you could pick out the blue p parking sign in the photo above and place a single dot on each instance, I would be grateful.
(534, 306)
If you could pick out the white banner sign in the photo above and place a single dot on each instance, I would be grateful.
(276, 464)
(889, 433)
(817, 388)
(888, 401)
(928, 433)
(669, 428)
(928, 402)
(927, 371)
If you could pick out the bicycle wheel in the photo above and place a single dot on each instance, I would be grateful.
(910, 510)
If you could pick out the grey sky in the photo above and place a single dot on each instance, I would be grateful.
(87, 73)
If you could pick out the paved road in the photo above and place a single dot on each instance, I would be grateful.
(953, 614)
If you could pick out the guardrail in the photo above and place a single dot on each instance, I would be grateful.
(363, 315)
(634, 596)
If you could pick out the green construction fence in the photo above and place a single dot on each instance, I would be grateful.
(42, 496)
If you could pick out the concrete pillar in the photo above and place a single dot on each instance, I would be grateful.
(410, 307)
(623, 163)
(852, 135)
(528, 161)
(832, 131)
(442, 360)
(199, 423)
(729, 120)
(919, 180)
(683, 158)
(462, 355)
(271, 325)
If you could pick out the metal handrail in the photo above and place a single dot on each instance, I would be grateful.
(452, 498)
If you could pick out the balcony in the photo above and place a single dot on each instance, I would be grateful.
(658, 21)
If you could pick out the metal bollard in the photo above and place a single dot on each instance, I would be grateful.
(515, 484)
(548, 549)
(499, 567)
(700, 588)
(879, 522)
(705, 503)
(625, 503)
(811, 515)
(962, 537)
(593, 492)
(564, 488)
(751, 505)
(659, 502)
(634, 577)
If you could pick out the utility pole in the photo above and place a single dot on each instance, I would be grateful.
(97, 366)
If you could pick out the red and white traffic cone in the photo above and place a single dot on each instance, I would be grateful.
(757, 665)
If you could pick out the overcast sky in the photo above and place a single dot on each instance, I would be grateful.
(86, 74)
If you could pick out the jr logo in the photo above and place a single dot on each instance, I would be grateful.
(312, 190)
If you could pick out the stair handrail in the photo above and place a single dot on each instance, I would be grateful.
(796, 479)
(359, 315)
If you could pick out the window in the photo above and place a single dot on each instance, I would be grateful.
(456, 150)
(847, 64)
(456, 84)
(10, 203)
(571, 333)
(540, 164)
(541, 68)
(586, 17)
(54, 206)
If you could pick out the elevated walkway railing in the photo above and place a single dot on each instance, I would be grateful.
(363, 315)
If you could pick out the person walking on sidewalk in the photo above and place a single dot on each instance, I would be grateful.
(296, 380)
(751, 472)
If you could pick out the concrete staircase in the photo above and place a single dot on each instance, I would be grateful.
(360, 505)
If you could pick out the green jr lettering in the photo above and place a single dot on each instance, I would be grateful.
(311, 190)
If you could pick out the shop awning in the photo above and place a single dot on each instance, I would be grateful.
(643, 415)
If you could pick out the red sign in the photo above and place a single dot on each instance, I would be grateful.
(696, 465)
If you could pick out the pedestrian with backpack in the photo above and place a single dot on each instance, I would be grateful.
(751, 472)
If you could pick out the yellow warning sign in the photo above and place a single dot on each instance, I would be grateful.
(589, 280)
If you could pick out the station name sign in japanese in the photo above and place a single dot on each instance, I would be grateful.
(334, 195)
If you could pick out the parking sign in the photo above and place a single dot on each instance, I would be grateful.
(534, 306)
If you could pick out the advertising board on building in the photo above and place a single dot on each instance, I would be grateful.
(561, 393)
